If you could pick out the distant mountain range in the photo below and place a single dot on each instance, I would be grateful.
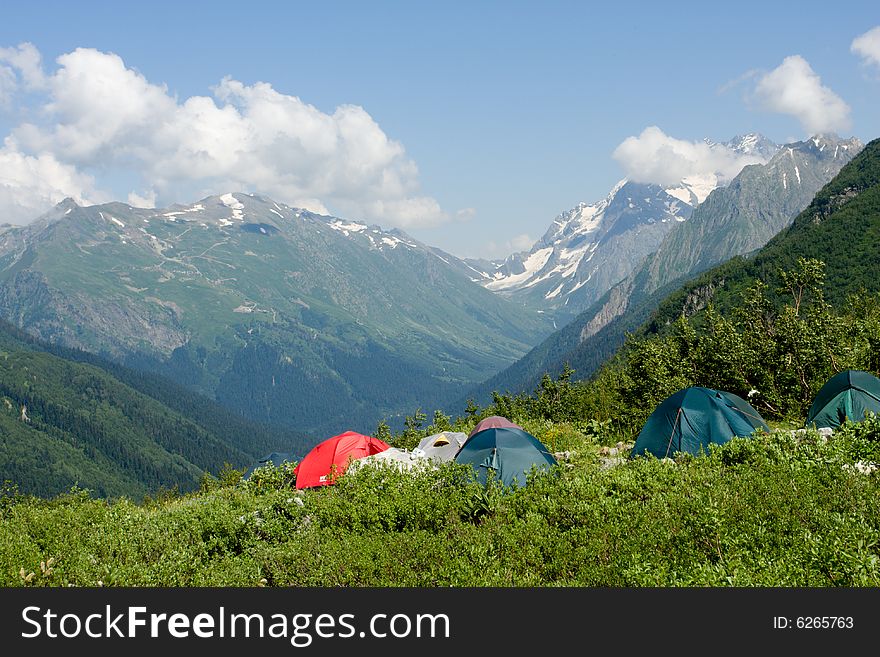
(591, 247)
(287, 317)
(733, 220)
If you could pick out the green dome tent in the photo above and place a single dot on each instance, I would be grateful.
(847, 395)
(510, 452)
(691, 419)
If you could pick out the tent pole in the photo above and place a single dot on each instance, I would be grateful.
(672, 435)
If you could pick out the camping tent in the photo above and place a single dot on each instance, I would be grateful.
(442, 446)
(510, 452)
(847, 395)
(691, 419)
(276, 458)
(399, 458)
(493, 422)
(317, 468)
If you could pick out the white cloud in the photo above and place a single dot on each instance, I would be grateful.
(312, 205)
(23, 62)
(465, 214)
(8, 85)
(27, 61)
(867, 46)
(655, 157)
(99, 115)
(146, 200)
(29, 185)
(515, 244)
(737, 81)
(794, 88)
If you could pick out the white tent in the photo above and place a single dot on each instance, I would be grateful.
(441, 446)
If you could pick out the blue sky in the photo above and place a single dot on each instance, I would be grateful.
(483, 120)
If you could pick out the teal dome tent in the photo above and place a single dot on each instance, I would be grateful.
(510, 453)
(692, 419)
(847, 395)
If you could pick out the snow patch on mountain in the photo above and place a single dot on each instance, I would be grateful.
(233, 204)
(693, 190)
(230, 201)
(346, 227)
(531, 265)
(110, 217)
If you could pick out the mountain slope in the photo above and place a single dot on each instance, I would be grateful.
(589, 248)
(759, 203)
(733, 220)
(64, 422)
(287, 317)
(841, 227)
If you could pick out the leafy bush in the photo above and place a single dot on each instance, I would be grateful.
(778, 509)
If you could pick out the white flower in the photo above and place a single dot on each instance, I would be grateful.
(861, 467)
(866, 468)
(752, 393)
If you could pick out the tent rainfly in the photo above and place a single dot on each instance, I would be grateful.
(399, 458)
(493, 422)
(441, 446)
(329, 459)
(692, 419)
(847, 395)
(510, 452)
(275, 458)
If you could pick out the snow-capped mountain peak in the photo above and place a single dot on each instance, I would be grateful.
(588, 246)
(592, 246)
(753, 143)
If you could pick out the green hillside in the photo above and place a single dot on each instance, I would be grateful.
(773, 327)
(65, 423)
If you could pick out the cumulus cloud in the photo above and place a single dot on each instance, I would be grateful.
(867, 46)
(655, 157)
(26, 61)
(8, 85)
(794, 88)
(29, 185)
(97, 115)
(20, 67)
(146, 200)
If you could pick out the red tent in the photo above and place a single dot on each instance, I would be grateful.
(493, 422)
(315, 468)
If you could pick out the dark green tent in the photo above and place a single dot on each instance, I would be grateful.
(510, 452)
(691, 419)
(849, 394)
